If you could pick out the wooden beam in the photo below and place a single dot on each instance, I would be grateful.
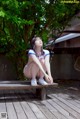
(40, 89)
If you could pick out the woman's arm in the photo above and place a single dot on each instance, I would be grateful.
(48, 68)
(47, 64)
(36, 60)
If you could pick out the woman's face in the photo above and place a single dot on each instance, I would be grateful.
(38, 42)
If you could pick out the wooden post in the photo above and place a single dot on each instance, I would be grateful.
(41, 93)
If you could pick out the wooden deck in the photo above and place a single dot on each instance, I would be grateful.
(63, 102)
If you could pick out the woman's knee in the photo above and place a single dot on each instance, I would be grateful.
(35, 66)
(25, 71)
(29, 69)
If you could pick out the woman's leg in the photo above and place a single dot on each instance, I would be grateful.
(41, 75)
(30, 71)
(34, 70)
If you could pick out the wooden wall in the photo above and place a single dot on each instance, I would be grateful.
(62, 66)
(7, 69)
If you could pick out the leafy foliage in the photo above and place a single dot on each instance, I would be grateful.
(20, 20)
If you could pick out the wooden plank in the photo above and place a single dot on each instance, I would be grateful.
(14, 82)
(28, 111)
(54, 111)
(3, 110)
(9, 106)
(45, 110)
(24, 82)
(67, 108)
(60, 109)
(71, 98)
(18, 108)
(2, 107)
(4, 86)
(11, 111)
(37, 111)
(2, 102)
(74, 103)
(32, 114)
(21, 82)
(68, 103)
(77, 101)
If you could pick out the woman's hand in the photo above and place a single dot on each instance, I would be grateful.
(49, 79)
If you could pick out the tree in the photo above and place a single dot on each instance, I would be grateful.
(20, 20)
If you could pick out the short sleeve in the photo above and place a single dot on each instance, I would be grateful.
(46, 52)
(31, 52)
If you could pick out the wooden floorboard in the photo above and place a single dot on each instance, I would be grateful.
(23, 101)
(19, 110)
(45, 110)
(55, 112)
(61, 103)
(9, 105)
(2, 102)
(64, 106)
(68, 103)
(3, 109)
(33, 107)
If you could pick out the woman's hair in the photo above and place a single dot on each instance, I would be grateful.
(33, 44)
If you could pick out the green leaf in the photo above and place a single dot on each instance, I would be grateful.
(2, 13)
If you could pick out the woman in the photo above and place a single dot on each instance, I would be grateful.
(38, 65)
